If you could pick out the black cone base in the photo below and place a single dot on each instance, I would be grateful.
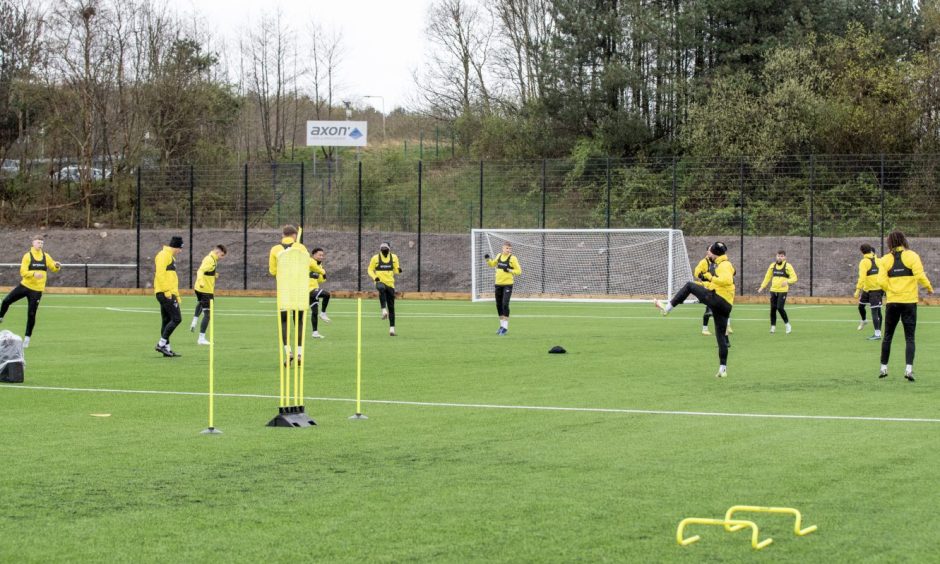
(292, 416)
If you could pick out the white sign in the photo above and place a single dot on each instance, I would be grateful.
(337, 133)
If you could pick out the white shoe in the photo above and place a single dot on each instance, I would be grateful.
(391, 332)
(861, 324)
(660, 304)
(203, 341)
(384, 313)
(324, 317)
(317, 335)
(25, 342)
(722, 373)
(192, 327)
(789, 329)
(773, 329)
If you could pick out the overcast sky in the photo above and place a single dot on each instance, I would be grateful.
(384, 39)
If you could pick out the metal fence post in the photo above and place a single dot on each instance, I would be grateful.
(675, 213)
(608, 194)
(544, 188)
(881, 184)
(192, 219)
(741, 262)
(138, 226)
(420, 180)
(303, 216)
(607, 235)
(359, 232)
(812, 218)
(245, 227)
(481, 194)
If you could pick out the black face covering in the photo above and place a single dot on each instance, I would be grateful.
(384, 252)
(779, 262)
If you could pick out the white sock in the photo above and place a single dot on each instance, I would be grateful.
(668, 306)
(300, 351)
(788, 326)
(25, 341)
(704, 328)
(195, 320)
(877, 333)
(909, 368)
(385, 311)
(287, 350)
(162, 342)
(504, 323)
(884, 367)
(202, 335)
(722, 368)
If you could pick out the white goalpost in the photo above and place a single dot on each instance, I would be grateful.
(609, 265)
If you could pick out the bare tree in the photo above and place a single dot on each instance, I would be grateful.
(266, 51)
(456, 77)
(524, 30)
(328, 51)
(20, 36)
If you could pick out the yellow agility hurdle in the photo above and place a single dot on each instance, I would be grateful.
(738, 524)
(797, 523)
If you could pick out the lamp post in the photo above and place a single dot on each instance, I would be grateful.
(384, 137)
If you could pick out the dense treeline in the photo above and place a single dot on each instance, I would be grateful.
(105, 86)
(702, 77)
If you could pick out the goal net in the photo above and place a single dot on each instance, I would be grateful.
(584, 264)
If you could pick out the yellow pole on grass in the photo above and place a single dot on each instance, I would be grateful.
(211, 366)
(280, 354)
(296, 360)
(358, 355)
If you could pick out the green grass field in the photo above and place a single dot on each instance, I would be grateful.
(477, 447)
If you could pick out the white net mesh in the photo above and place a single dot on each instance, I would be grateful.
(585, 264)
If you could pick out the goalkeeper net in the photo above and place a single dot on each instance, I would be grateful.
(584, 264)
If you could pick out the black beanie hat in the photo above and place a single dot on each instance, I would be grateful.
(176, 242)
(718, 248)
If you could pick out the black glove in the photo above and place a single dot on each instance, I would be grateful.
(377, 279)
(701, 276)
(487, 257)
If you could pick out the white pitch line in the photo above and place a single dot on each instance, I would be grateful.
(503, 407)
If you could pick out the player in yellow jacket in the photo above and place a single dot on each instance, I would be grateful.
(780, 275)
(317, 277)
(166, 286)
(717, 292)
(204, 288)
(867, 290)
(288, 240)
(34, 269)
(382, 269)
(900, 272)
(507, 268)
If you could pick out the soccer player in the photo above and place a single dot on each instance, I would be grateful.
(717, 292)
(780, 275)
(317, 277)
(867, 290)
(34, 268)
(166, 286)
(507, 268)
(899, 274)
(205, 290)
(382, 269)
(288, 240)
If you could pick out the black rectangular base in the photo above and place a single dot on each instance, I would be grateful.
(13, 372)
(292, 416)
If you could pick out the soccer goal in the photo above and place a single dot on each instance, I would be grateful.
(615, 265)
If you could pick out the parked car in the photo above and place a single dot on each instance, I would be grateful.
(10, 167)
(72, 173)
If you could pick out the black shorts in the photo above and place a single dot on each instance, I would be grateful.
(872, 298)
(203, 298)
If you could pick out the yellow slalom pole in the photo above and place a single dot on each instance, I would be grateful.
(296, 360)
(358, 414)
(211, 366)
(280, 356)
(211, 430)
(300, 359)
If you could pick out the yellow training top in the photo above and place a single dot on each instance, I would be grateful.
(207, 274)
(701, 268)
(165, 280)
(507, 268)
(782, 275)
(317, 274)
(722, 281)
(868, 269)
(33, 264)
(384, 268)
(286, 243)
(899, 278)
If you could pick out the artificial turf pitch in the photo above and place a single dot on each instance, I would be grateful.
(477, 447)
